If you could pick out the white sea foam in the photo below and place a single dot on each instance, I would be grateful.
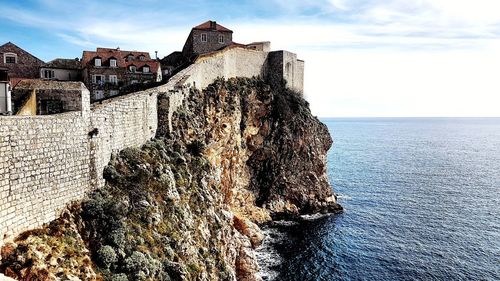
(268, 257)
(314, 216)
(344, 197)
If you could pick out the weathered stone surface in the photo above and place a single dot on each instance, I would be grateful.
(48, 161)
(269, 150)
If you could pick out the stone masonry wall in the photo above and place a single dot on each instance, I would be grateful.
(118, 123)
(48, 161)
(229, 63)
(44, 164)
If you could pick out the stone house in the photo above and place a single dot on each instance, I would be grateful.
(62, 70)
(203, 38)
(18, 63)
(44, 97)
(207, 37)
(106, 72)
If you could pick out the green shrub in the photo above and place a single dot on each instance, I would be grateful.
(106, 256)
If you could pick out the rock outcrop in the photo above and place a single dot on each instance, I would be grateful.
(186, 206)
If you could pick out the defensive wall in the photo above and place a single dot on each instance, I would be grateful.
(47, 161)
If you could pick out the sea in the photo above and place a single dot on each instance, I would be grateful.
(421, 200)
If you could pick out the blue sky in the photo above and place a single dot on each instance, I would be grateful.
(363, 57)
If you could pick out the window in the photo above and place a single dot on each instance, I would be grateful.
(132, 68)
(203, 37)
(48, 74)
(134, 82)
(9, 58)
(98, 79)
(221, 38)
(97, 62)
(112, 63)
(141, 57)
(130, 57)
(113, 79)
(99, 94)
(113, 93)
(145, 69)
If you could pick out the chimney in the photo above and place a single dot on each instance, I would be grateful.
(213, 25)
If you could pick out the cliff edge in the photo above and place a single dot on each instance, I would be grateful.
(186, 206)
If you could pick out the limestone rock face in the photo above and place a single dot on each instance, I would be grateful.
(269, 149)
(187, 205)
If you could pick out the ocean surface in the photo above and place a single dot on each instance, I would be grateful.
(421, 199)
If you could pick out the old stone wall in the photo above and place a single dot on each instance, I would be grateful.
(229, 63)
(117, 123)
(48, 161)
(44, 164)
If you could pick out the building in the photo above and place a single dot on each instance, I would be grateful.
(62, 70)
(108, 72)
(207, 37)
(18, 63)
(5, 95)
(203, 38)
(284, 67)
(171, 63)
(44, 97)
(15, 64)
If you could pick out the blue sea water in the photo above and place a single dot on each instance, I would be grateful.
(421, 199)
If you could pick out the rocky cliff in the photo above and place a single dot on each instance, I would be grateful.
(186, 206)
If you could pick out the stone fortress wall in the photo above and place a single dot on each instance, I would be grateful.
(49, 161)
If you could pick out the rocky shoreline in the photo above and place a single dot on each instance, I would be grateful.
(187, 205)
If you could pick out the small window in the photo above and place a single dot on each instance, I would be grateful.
(48, 74)
(10, 58)
(221, 38)
(203, 37)
(132, 68)
(130, 57)
(97, 62)
(145, 69)
(98, 79)
(134, 82)
(112, 63)
(113, 93)
(141, 57)
(99, 94)
(113, 79)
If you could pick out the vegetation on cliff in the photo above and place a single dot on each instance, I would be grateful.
(185, 205)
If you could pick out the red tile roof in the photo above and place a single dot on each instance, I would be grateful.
(121, 58)
(208, 26)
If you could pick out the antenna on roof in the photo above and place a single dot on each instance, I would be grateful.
(156, 54)
(118, 48)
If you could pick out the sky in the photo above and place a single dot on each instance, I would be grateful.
(363, 58)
